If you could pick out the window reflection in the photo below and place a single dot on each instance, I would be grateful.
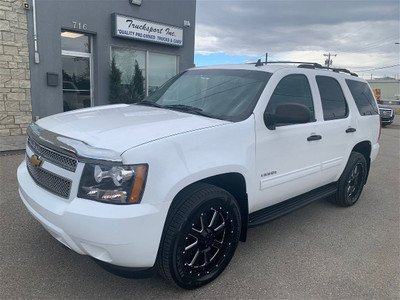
(132, 66)
(76, 63)
(161, 68)
(125, 60)
(76, 82)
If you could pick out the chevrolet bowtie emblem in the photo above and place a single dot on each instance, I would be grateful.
(36, 161)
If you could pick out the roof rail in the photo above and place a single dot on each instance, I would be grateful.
(260, 63)
(337, 70)
(305, 65)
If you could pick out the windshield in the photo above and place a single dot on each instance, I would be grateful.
(222, 94)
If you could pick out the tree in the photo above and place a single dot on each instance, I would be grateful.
(115, 83)
(136, 90)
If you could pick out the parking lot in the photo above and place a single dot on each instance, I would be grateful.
(320, 251)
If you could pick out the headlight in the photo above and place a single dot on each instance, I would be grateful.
(113, 184)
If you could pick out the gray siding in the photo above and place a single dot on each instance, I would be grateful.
(54, 15)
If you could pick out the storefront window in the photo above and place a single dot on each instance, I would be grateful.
(125, 59)
(132, 65)
(76, 70)
(161, 68)
(135, 67)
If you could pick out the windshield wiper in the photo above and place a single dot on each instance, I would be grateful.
(179, 107)
(187, 108)
(148, 103)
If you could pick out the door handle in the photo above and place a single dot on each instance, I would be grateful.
(349, 130)
(314, 137)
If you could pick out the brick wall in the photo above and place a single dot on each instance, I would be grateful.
(15, 92)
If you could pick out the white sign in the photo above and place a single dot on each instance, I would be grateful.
(133, 28)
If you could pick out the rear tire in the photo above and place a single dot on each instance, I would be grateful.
(201, 235)
(351, 183)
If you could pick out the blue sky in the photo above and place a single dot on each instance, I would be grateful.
(221, 58)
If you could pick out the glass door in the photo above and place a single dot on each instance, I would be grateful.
(76, 70)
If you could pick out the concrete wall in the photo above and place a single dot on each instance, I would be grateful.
(54, 15)
(390, 89)
(15, 92)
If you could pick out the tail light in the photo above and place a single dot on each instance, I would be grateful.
(380, 127)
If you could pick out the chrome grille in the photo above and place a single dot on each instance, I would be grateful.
(61, 160)
(53, 183)
(386, 113)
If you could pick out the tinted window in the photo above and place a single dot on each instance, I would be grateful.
(222, 94)
(292, 89)
(333, 102)
(363, 97)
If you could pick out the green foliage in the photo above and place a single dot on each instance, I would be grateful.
(126, 93)
(136, 84)
(115, 84)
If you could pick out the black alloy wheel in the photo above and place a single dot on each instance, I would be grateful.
(351, 183)
(355, 183)
(202, 235)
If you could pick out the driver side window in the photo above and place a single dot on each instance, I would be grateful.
(292, 89)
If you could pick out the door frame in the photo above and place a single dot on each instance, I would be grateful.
(84, 55)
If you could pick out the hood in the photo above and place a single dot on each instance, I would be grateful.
(121, 127)
(384, 106)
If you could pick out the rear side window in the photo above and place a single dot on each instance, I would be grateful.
(363, 97)
(334, 104)
(292, 89)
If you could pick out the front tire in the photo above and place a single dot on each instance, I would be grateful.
(201, 235)
(351, 183)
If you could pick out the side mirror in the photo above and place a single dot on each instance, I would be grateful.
(288, 113)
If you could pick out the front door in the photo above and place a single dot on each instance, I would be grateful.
(76, 70)
(286, 159)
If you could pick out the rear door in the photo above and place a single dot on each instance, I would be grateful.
(337, 128)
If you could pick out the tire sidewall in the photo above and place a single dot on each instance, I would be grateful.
(342, 196)
(218, 197)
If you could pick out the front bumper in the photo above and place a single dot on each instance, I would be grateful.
(387, 121)
(123, 235)
(387, 116)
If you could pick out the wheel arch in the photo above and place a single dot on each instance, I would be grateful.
(364, 148)
(235, 184)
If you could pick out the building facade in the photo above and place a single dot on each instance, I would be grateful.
(62, 55)
(76, 40)
(388, 89)
(15, 85)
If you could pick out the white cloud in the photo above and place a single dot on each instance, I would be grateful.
(361, 32)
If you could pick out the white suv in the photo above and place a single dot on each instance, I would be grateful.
(173, 182)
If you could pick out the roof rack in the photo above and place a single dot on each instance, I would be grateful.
(305, 65)
(318, 66)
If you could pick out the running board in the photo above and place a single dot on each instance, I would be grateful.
(280, 209)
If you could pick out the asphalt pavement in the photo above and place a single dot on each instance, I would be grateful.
(321, 251)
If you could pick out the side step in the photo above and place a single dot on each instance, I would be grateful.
(280, 209)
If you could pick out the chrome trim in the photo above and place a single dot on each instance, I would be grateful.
(68, 146)
(382, 110)
(66, 162)
(49, 181)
